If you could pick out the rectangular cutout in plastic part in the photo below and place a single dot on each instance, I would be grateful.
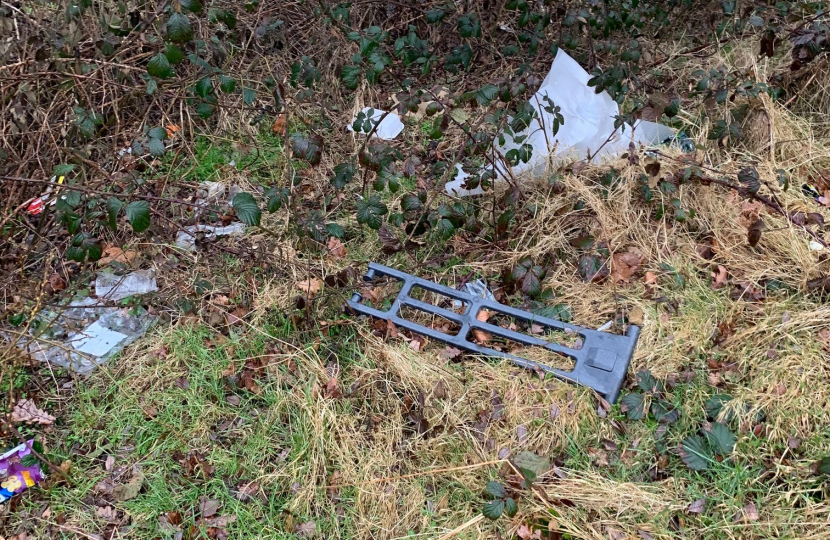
(431, 320)
(601, 363)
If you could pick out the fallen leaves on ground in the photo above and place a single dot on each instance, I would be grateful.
(117, 255)
(625, 265)
(480, 335)
(650, 278)
(310, 286)
(194, 463)
(719, 277)
(130, 489)
(336, 248)
(107, 513)
(449, 353)
(25, 411)
(306, 530)
(747, 514)
(696, 507)
(280, 125)
(208, 507)
(527, 533)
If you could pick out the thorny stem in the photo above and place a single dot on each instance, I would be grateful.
(767, 201)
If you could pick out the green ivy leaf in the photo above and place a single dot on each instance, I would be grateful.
(351, 75)
(308, 148)
(714, 405)
(721, 440)
(695, 453)
(335, 230)
(557, 312)
(647, 382)
(178, 28)
(138, 214)
(194, 6)
(496, 490)
(444, 228)
(205, 110)
(113, 207)
(155, 146)
(493, 509)
(276, 198)
(435, 15)
(173, 53)
(371, 211)
(157, 133)
(247, 209)
(633, 405)
(227, 84)
(248, 95)
(204, 87)
(469, 26)
(343, 174)
(510, 507)
(823, 465)
(72, 198)
(152, 86)
(411, 203)
(62, 169)
(83, 247)
(159, 66)
(531, 284)
(663, 412)
(526, 459)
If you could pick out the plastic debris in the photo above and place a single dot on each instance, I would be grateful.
(477, 288)
(601, 359)
(85, 334)
(389, 128)
(587, 131)
(110, 286)
(186, 238)
(17, 474)
(36, 205)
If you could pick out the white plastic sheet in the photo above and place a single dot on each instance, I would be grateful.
(588, 128)
(389, 128)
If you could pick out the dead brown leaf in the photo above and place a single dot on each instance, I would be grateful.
(625, 265)
(107, 513)
(719, 277)
(109, 463)
(527, 533)
(332, 389)
(117, 255)
(25, 411)
(130, 490)
(650, 278)
(247, 491)
(306, 530)
(696, 507)
(280, 125)
(635, 316)
(208, 507)
(521, 434)
(480, 335)
(336, 248)
(310, 286)
(449, 353)
(749, 513)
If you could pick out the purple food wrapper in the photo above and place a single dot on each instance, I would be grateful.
(15, 477)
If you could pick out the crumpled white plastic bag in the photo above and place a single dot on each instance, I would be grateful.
(588, 127)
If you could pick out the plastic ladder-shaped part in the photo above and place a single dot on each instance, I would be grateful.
(601, 363)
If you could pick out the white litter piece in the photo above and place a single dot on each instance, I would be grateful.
(477, 288)
(109, 286)
(98, 340)
(389, 128)
(84, 335)
(816, 246)
(186, 238)
(588, 128)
